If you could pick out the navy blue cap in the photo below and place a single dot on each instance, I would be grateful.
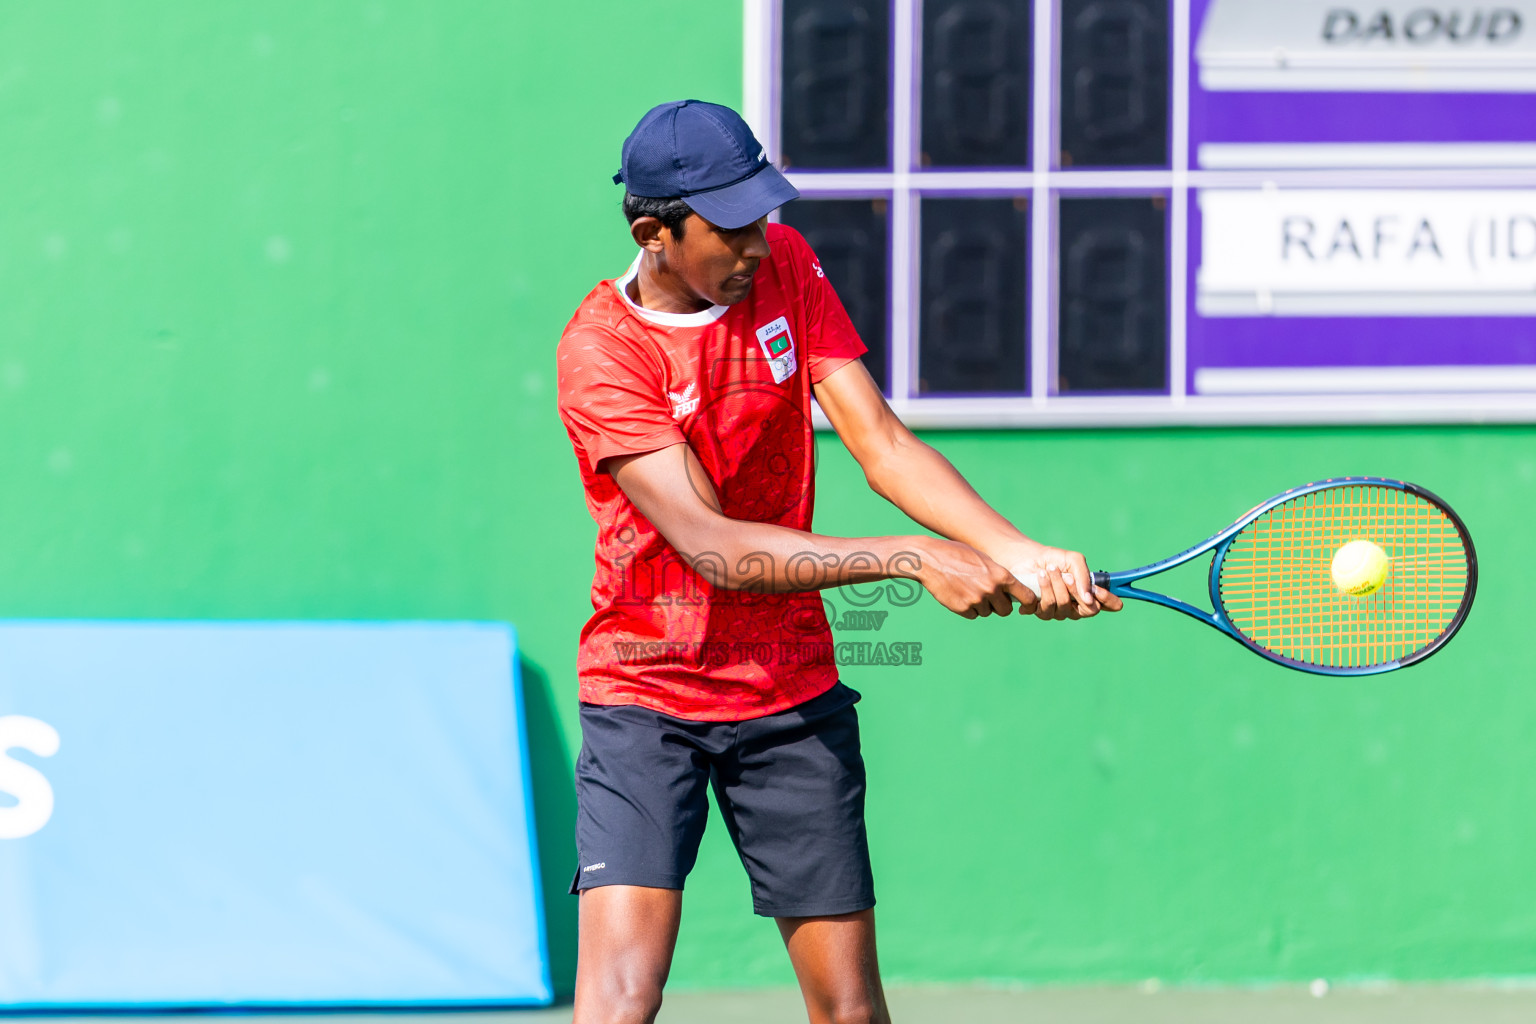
(705, 155)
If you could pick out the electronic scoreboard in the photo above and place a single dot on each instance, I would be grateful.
(1142, 211)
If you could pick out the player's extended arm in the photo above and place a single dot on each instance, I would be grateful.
(924, 485)
(671, 489)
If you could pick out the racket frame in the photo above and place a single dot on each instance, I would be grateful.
(1119, 583)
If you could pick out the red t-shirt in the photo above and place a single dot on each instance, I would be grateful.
(734, 382)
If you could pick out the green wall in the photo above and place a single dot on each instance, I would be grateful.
(279, 288)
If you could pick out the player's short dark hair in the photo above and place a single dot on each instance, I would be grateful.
(671, 212)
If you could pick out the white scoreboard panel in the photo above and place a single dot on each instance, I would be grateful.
(1101, 212)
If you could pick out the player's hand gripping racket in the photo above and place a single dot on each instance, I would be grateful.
(1282, 587)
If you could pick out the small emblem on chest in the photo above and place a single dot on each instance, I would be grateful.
(778, 348)
(683, 402)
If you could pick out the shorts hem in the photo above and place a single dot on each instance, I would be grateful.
(580, 884)
(825, 908)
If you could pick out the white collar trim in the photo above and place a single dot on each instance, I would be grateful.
(703, 318)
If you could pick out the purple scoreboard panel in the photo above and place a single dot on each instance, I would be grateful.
(1100, 212)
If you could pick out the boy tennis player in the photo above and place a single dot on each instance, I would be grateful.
(686, 386)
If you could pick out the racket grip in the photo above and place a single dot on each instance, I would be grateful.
(1101, 579)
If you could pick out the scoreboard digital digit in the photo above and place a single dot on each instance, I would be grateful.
(1102, 212)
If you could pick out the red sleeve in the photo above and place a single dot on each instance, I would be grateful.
(612, 398)
(830, 339)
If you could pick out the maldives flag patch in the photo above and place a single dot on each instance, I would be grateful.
(778, 348)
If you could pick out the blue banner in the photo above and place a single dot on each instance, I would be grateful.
(265, 814)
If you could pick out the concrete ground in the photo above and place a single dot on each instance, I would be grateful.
(1396, 1005)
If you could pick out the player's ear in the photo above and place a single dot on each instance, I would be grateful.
(647, 233)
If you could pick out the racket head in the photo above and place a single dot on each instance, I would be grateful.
(1272, 587)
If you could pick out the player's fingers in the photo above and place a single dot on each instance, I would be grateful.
(1073, 609)
(1066, 604)
(1054, 595)
(1046, 609)
(1109, 602)
(1002, 599)
(1082, 584)
(1045, 603)
(1026, 597)
(994, 602)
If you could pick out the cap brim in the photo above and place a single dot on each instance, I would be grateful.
(736, 206)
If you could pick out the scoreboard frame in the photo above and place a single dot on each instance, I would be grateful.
(1403, 395)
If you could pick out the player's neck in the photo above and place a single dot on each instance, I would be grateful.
(655, 288)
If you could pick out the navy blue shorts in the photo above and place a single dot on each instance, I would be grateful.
(790, 787)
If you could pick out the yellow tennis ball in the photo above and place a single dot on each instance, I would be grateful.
(1360, 568)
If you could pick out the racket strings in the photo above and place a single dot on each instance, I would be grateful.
(1277, 588)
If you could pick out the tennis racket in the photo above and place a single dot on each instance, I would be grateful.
(1272, 590)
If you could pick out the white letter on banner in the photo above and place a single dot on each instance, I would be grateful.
(26, 784)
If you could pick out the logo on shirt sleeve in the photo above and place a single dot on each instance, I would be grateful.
(683, 401)
(778, 348)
